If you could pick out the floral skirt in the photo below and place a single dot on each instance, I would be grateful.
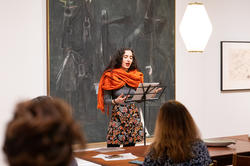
(125, 125)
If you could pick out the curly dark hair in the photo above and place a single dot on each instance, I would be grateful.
(41, 133)
(116, 61)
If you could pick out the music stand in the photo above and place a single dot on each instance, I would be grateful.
(146, 92)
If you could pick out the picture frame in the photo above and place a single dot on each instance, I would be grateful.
(235, 65)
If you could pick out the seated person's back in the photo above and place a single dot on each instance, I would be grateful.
(41, 133)
(176, 140)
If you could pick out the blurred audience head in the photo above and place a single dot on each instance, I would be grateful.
(175, 131)
(41, 133)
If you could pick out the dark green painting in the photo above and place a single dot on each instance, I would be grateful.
(83, 34)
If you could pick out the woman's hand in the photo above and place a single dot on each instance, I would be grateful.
(158, 90)
(120, 99)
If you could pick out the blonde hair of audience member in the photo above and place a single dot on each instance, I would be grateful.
(175, 130)
(41, 133)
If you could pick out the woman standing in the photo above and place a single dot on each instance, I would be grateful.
(121, 77)
(176, 140)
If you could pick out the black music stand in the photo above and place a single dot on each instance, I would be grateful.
(146, 92)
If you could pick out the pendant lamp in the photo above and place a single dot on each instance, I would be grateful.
(195, 27)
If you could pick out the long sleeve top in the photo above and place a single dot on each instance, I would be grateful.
(200, 152)
(109, 95)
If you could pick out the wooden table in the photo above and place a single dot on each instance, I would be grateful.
(223, 155)
(240, 137)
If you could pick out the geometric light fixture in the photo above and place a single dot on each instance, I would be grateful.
(195, 27)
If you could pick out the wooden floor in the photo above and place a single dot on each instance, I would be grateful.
(104, 144)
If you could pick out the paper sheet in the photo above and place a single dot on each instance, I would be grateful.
(123, 156)
(81, 162)
(141, 88)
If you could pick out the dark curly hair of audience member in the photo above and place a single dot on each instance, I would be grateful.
(42, 133)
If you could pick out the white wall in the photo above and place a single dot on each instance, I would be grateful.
(23, 64)
(22, 57)
(198, 75)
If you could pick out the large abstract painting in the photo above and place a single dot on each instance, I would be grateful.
(84, 34)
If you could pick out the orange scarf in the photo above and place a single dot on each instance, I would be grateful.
(115, 79)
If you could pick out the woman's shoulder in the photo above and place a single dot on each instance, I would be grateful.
(199, 142)
(201, 154)
(107, 71)
(149, 160)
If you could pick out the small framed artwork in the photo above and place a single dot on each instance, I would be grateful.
(235, 65)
